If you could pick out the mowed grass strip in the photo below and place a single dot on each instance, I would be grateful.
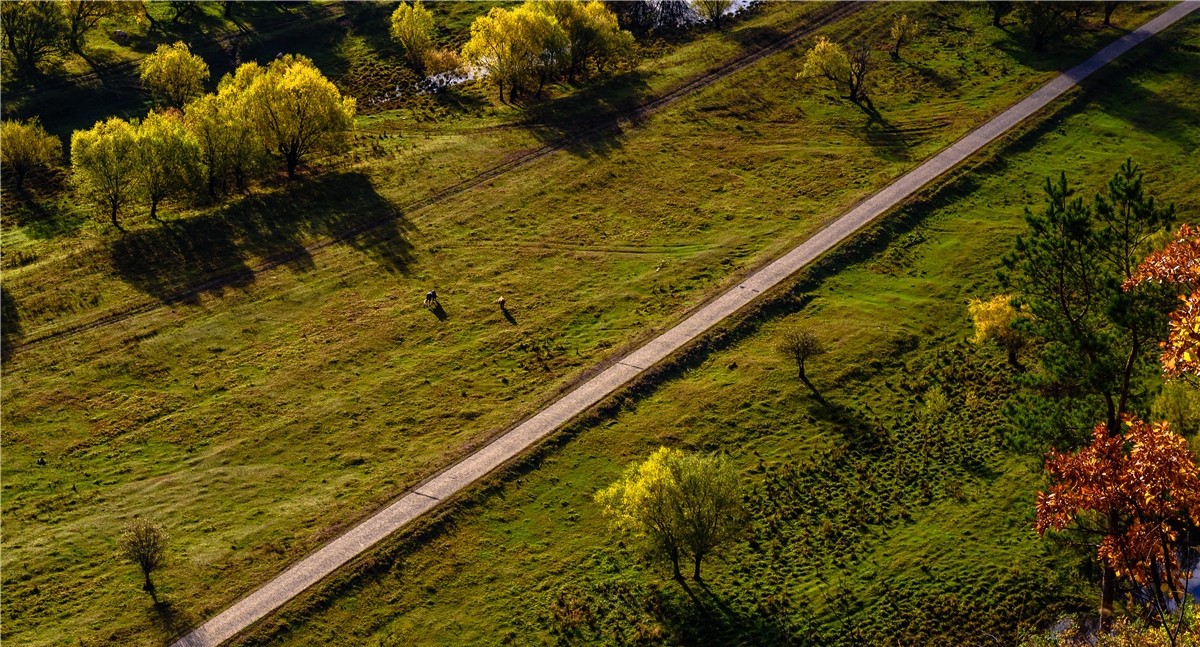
(895, 516)
(263, 418)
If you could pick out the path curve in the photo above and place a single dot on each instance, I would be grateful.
(512, 163)
(424, 498)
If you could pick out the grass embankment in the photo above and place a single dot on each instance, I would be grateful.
(262, 417)
(894, 516)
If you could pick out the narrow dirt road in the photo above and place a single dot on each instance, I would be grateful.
(324, 561)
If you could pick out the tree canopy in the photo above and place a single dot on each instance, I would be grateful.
(26, 146)
(32, 30)
(682, 504)
(847, 70)
(412, 28)
(297, 111)
(104, 165)
(168, 157)
(173, 75)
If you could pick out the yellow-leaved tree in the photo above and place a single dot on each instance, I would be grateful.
(904, 30)
(173, 74)
(593, 35)
(26, 146)
(517, 47)
(683, 505)
(994, 321)
(168, 157)
(230, 147)
(412, 28)
(104, 165)
(847, 70)
(297, 111)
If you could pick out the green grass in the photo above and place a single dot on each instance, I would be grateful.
(261, 418)
(875, 521)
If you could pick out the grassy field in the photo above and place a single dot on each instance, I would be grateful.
(896, 515)
(259, 418)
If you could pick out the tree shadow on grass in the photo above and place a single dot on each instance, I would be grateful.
(10, 325)
(589, 121)
(1123, 97)
(885, 138)
(168, 618)
(182, 260)
(707, 617)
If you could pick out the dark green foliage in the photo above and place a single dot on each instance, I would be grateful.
(1098, 340)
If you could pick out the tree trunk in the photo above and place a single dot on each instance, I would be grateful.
(148, 586)
(1108, 589)
(696, 571)
(112, 214)
(292, 162)
(154, 209)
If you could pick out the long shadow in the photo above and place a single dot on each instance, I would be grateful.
(707, 618)
(10, 325)
(181, 260)
(589, 121)
(888, 141)
(1121, 96)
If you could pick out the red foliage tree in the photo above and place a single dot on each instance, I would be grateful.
(1140, 492)
(1178, 264)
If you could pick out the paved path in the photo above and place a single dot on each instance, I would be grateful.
(313, 568)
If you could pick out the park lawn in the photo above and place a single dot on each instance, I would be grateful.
(265, 415)
(876, 520)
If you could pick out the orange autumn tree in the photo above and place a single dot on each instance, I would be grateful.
(1140, 492)
(1178, 264)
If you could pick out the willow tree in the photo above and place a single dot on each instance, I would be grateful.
(230, 147)
(683, 505)
(412, 29)
(32, 31)
(168, 156)
(173, 74)
(593, 35)
(26, 146)
(104, 165)
(297, 111)
(517, 47)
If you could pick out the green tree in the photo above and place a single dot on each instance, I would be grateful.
(800, 346)
(104, 165)
(847, 70)
(145, 543)
(167, 157)
(1068, 270)
(1045, 21)
(681, 504)
(297, 111)
(26, 146)
(904, 31)
(83, 15)
(32, 30)
(711, 11)
(173, 74)
(412, 28)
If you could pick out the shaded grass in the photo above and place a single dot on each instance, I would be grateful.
(260, 420)
(880, 522)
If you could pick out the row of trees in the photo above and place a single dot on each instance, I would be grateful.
(287, 109)
(524, 47)
(198, 143)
